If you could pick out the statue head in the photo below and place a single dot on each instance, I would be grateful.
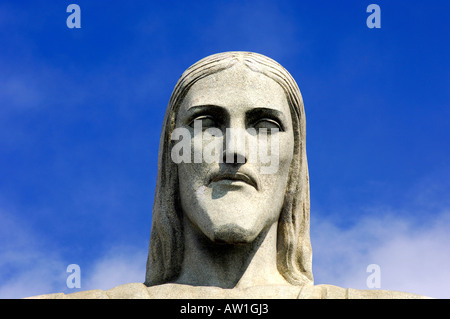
(233, 196)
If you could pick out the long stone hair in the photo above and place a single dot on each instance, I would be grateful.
(294, 253)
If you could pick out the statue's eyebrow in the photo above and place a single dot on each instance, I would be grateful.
(194, 108)
(206, 109)
(260, 112)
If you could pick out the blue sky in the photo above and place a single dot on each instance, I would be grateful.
(81, 113)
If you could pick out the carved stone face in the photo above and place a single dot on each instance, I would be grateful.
(233, 202)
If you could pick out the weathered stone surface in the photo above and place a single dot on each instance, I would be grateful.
(180, 291)
(129, 291)
(231, 223)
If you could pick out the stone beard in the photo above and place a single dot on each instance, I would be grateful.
(229, 227)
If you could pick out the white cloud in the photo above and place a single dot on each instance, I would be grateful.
(31, 265)
(412, 258)
(38, 278)
(120, 265)
(27, 265)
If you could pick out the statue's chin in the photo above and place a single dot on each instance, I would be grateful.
(233, 234)
(240, 224)
(236, 218)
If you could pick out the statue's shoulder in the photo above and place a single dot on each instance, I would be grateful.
(182, 291)
(179, 291)
(335, 292)
(125, 291)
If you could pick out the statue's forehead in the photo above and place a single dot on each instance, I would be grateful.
(235, 86)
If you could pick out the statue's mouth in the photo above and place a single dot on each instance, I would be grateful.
(238, 176)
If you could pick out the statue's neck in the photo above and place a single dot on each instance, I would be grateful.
(207, 263)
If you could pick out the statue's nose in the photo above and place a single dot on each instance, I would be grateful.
(235, 146)
(234, 158)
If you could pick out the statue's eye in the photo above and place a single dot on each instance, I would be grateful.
(267, 124)
(205, 121)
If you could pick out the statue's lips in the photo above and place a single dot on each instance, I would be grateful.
(240, 177)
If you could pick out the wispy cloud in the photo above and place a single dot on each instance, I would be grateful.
(31, 264)
(412, 258)
(27, 265)
(120, 265)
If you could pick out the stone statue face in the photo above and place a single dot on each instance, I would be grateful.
(234, 201)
